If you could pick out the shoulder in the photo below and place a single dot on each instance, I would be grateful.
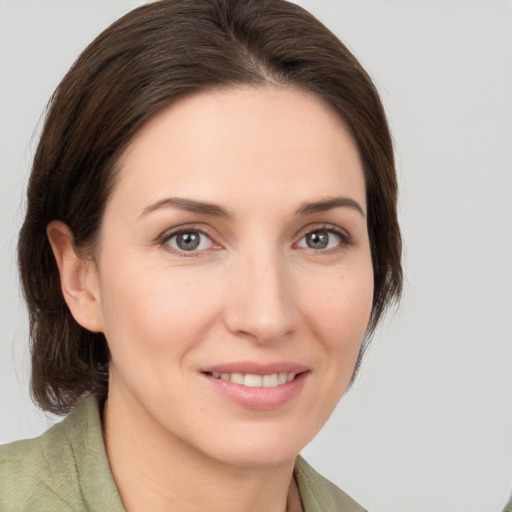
(319, 494)
(37, 473)
(57, 470)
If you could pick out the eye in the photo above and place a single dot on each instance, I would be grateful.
(321, 239)
(189, 241)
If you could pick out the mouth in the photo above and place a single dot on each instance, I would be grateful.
(252, 380)
(255, 386)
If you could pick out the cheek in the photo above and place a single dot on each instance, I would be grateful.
(155, 312)
(339, 308)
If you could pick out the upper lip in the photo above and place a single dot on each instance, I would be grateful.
(253, 368)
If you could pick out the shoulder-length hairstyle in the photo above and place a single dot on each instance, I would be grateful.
(151, 57)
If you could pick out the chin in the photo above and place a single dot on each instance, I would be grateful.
(257, 448)
(262, 458)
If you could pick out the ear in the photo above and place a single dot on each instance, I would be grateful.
(78, 278)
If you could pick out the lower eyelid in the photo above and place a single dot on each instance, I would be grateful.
(201, 235)
(165, 239)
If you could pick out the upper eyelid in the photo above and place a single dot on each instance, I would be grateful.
(180, 232)
(169, 233)
(166, 236)
(207, 231)
(323, 226)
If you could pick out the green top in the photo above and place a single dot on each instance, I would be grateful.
(66, 469)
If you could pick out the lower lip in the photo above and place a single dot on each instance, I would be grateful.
(262, 399)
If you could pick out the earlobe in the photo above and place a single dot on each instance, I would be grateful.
(78, 278)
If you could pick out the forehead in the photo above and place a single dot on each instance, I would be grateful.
(246, 141)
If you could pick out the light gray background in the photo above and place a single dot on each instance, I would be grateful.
(428, 425)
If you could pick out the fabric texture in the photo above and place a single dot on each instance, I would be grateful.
(66, 469)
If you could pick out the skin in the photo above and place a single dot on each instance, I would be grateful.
(253, 291)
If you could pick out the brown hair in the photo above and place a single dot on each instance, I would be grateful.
(152, 56)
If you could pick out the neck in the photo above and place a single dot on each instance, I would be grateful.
(154, 470)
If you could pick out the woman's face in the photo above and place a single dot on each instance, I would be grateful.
(234, 277)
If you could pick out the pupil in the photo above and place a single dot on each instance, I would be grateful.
(188, 241)
(318, 240)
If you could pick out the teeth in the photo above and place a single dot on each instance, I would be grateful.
(270, 381)
(253, 381)
(237, 378)
(256, 381)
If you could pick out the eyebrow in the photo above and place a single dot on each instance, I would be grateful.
(188, 205)
(330, 203)
(204, 208)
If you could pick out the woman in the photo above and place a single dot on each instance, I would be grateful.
(211, 233)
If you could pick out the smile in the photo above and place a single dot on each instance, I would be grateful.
(257, 386)
(256, 381)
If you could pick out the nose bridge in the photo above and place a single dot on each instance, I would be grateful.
(261, 305)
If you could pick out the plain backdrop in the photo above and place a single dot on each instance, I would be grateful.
(428, 425)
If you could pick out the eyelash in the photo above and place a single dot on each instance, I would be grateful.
(164, 240)
(345, 239)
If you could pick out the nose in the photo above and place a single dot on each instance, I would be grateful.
(261, 305)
